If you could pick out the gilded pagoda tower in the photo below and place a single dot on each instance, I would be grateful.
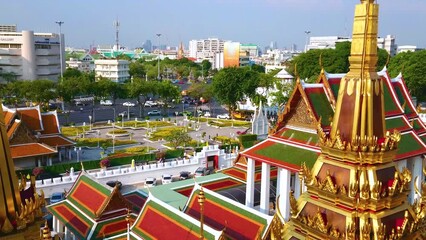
(355, 190)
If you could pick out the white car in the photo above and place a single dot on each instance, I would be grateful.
(150, 182)
(207, 114)
(150, 104)
(128, 104)
(166, 179)
(154, 112)
(223, 116)
(106, 102)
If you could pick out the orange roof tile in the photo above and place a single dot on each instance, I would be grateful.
(13, 128)
(31, 117)
(8, 116)
(30, 150)
(56, 140)
(50, 124)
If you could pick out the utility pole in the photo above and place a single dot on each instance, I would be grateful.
(158, 75)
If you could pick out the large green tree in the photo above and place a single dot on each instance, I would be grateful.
(336, 60)
(231, 85)
(413, 67)
(178, 138)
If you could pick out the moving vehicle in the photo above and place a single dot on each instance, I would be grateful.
(57, 197)
(207, 114)
(154, 112)
(129, 104)
(201, 171)
(166, 179)
(242, 114)
(112, 183)
(106, 102)
(223, 116)
(150, 103)
(150, 182)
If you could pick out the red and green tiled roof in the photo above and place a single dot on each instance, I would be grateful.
(410, 146)
(418, 126)
(72, 218)
(282, 154)
(298, 136)
(50, 123)
(404, 98)
(136, 200)
(399, 123)
(160, 221)
(334, 85)
(88, 195)
(215, 186)
(392, 106)
(237, 220)
(423, 138)
(320, 104)
(110, 227)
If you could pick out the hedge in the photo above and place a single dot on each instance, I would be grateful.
(247, 137)
(174, 153)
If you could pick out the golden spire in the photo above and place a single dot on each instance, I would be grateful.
(46, 235)
(201, 200)
(360, 104)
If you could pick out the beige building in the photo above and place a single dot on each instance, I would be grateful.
(115, 70)
(30, 55)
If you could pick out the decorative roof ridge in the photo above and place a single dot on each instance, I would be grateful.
(5, 108)
(417, 137)
(383, 71)
(37, 107)
(296, 145)
(302, 129)
(313, 85)
(115, 191)
(79, 210)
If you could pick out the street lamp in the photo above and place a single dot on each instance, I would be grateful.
(158, 35)
(60, 45)
(90, 122)
(307, 39)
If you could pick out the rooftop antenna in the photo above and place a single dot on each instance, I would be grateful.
(116, 24)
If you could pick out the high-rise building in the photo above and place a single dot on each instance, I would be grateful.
(30, 55)
(147, 46)
(205, 48)
(7, 28)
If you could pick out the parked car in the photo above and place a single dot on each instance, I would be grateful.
(166, 179)
(129, 104)
(112, 183)
(201, 171)
(154, 112)
(223, 116)
(150, 103)
(57, 197)
(184, 175)
(207, 114)
(150, 182)
(106, 102)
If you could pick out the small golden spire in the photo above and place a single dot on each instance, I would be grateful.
(201, 200)
(46, 235)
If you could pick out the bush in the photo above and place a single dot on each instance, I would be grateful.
(104, 163)
(37, 171)
(247, 137)
(117, 131)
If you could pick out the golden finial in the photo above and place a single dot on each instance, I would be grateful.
(46, 232)
(201, 200)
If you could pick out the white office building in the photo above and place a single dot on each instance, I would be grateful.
(387, 43)
(112, 69)
(30, 55)
(205, 48)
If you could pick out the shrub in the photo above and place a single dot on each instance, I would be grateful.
(104, 163)
(37, 171)
(117, 131)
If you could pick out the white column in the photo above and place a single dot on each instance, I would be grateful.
(58, 226)
(38, 162)
(60, 154)
(69, 154)
(66, 233)
(416, 171)
(49, 161)
(278, 190)
(297, 185)
(54, 221)
(284, 190)
(265, 188)
(250, 183)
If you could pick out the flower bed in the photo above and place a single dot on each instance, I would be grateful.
(136, 150)
(93, 142)
(117, 132)
(144, 124)
(74, 131)
(161, 133)
(229, 123)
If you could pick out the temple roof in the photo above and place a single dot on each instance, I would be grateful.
(284, 154)
(158, 220)
(56, 141)
(30, 150)
(32, 117)
(50, 123)
(235, 219)
(92, 210)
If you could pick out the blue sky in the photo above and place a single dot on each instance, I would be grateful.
(248, 21)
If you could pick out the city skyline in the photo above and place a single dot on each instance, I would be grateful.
(247, 21)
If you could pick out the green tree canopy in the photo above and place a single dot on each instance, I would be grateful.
(333, 60)
(178, 138)
(413, 67)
